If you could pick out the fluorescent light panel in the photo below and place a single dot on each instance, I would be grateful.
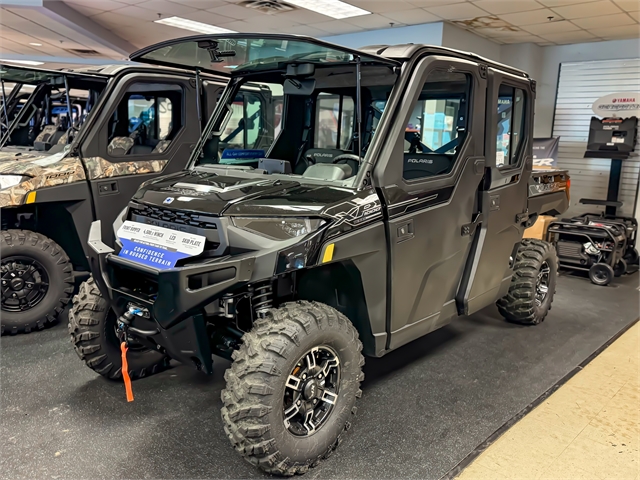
(331, 8)
(192, 25)
(35, 44)
(31, 63)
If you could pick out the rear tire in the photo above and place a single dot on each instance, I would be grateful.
(260, 415)
(92, 328)
(533, 283)
(37, 276)
(620, 268)
(601, 274)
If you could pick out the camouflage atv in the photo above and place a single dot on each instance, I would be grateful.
(75, 146)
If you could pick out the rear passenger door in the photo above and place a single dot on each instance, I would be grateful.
(503, 200)
(430, 185)
(149, 127)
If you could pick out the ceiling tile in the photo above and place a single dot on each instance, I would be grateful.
(110, 19)
(412, 17)
(611, 33)
(197, 4)
(523, 39)
(628, 5)
(208, 17)
(104, 5)
(137, 13)
(500, 33)
(235, 11)
(382, 6)
(85, 10)
(529, 18)
(604, 21)
(307, 30)
(507, 6)
(338, 27)
(577, 36)
(431, 3)
(239, 26)
(270, 21)
(166, 8)
(635, 16)
(562, 3)
(370, 22)
(457, 11)
(591, 9)
(551, 27)
(303, 16)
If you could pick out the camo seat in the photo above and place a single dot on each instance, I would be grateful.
(162, 146)
(120, 146)
(48, 137)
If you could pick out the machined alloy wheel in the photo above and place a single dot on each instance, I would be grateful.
(542, 284)
(311, 391)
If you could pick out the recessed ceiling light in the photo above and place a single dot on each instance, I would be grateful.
(192, 25)
(331, 8)
(32, 63)
(35, 44)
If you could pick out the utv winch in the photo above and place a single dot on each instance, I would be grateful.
(391, 200)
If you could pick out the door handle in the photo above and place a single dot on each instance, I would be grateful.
(108, 188)
(404, 231)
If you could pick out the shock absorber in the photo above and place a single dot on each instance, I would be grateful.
(262, 299)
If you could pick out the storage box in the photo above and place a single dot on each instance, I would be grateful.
(539, 229)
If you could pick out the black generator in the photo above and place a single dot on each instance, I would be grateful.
(611, 137)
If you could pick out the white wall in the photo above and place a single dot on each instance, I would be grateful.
(428, 33)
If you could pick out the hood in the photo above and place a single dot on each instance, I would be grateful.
(227, 194)
(31, 164)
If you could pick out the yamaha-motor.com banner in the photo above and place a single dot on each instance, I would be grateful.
(545, 152)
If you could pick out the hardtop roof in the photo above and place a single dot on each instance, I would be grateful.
(406, 51)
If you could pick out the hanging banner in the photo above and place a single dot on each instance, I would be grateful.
(626, 104)
(545, 152)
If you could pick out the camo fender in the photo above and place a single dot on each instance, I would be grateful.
(98, 167)
(65, 171)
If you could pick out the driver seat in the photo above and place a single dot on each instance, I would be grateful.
(314, 156)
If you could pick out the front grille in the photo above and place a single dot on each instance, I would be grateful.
(172, 216)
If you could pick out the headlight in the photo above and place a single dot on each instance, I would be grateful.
(278, 228)
(8, 181)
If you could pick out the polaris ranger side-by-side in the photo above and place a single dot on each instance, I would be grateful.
(392, 200)
(75, 147)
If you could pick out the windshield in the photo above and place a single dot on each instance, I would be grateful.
(245, 53)
(301, 122)
(44, 113)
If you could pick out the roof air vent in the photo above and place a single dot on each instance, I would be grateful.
(84, 52)
(270, 7)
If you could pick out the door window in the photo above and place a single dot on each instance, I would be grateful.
(437, 126)
(334, 121)
(146, 120)
(511, 124)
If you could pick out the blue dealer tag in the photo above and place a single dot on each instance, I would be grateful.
(157, 247)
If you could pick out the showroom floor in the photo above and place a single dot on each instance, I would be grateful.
(425, 407)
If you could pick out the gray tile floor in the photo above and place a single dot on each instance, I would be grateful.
(424, 408)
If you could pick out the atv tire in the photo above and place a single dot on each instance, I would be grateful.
(260, 378)
(35, 269)
(533, 283)
(92, 327)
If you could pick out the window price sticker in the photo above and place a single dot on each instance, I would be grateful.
(157, 247)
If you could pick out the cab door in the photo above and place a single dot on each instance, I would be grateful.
(429, 178)
(149, 128)
(504, 196)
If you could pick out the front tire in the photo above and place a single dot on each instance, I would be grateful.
(533, 283)
(92, 328)
(278, 417)
(37, 281)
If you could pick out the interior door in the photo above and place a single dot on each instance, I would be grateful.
(149, 129)
(431, 182)
(503, 201)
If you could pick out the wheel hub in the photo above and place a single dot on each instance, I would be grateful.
(542, 283)
(24, 282)
(311, 391)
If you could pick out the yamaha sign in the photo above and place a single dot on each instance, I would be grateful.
(624, 105)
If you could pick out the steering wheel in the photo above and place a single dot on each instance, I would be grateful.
(350, 159)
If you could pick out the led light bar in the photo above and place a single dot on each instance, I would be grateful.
(31, 63)
(192, 25)
(331, 8)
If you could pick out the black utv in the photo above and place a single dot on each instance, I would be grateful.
(75, 146)
(392, 200)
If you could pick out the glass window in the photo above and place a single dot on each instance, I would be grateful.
(437, 126)
(242, 131)
(334, 121)
(511, 123)
(146, 120)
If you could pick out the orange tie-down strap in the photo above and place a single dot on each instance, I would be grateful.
(125, 372)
